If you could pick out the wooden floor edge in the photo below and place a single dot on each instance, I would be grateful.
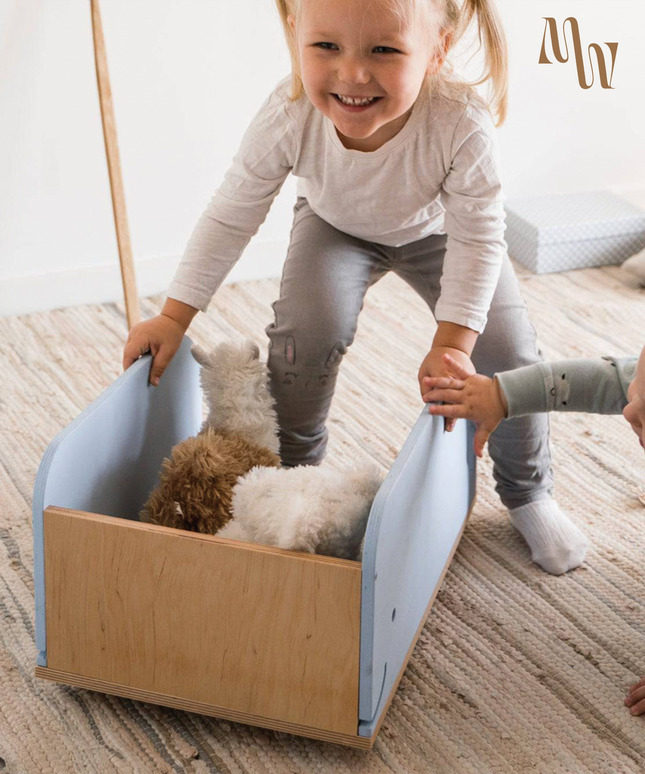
(124, 691)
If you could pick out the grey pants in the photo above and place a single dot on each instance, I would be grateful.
(324, 281)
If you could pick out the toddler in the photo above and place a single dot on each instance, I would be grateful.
(605, 385)
(397, 171)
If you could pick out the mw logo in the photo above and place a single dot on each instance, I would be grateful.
(552, 29)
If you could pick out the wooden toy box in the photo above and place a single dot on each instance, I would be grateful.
(295, 642)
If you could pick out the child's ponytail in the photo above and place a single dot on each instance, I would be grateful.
(288, 8)
(491, 34)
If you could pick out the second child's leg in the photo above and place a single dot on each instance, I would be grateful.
(324, 281)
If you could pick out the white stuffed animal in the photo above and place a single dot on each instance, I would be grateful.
(310, 508)
(234, 383)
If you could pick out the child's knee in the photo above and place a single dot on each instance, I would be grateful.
(298, 358)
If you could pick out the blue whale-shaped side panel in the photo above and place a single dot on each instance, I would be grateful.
(416, 518)
(108, 459)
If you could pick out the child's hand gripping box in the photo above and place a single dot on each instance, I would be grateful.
(572, 231)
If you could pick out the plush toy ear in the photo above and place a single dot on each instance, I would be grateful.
(252, 348)
(366, 479)
(200, 355)
(224, 350)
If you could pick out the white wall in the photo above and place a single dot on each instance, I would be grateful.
(559, 137)
(186, 78)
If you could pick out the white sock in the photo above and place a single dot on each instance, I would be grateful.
(556, 544)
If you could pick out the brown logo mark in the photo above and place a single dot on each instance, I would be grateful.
(552, 28)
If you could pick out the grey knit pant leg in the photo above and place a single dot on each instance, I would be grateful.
(519, 447)
(325, 278)
(324, 281)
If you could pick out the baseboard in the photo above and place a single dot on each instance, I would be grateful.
(102, 284)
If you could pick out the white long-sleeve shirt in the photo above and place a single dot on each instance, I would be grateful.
(439, 174)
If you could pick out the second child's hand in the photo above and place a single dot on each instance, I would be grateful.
(467, 395)
(438, 363)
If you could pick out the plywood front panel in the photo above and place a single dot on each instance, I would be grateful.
(253, 629)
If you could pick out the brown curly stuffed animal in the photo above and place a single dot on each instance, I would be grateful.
(197, 481)
(241, 432)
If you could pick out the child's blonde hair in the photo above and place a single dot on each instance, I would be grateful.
(453, 18)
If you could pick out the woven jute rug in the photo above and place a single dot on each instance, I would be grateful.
(515, 671)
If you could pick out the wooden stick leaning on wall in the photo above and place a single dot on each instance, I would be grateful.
(132, 309)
